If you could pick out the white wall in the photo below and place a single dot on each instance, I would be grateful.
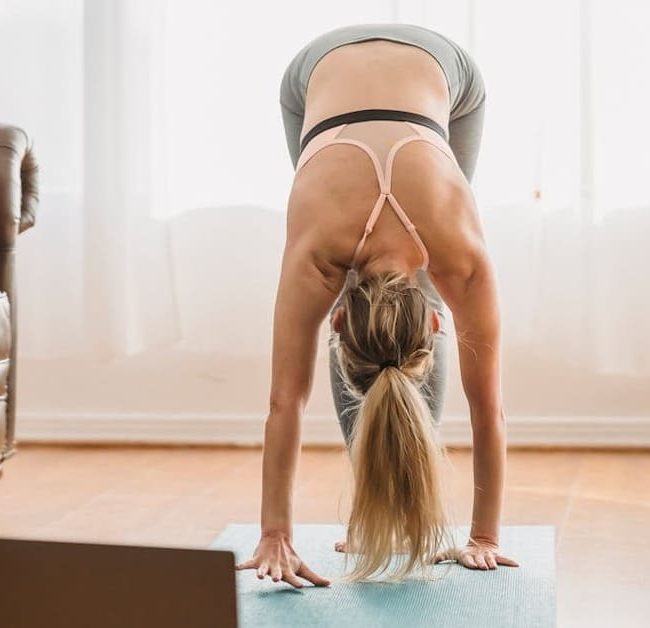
(226, 268)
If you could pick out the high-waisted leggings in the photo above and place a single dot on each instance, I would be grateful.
(467, 106)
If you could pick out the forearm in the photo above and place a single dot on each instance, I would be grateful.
(279, 462)
(489, 460)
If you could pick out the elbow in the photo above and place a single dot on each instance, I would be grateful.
(286, 405)
(487, 415)
(284, 420)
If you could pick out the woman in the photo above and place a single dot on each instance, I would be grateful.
(384, 117)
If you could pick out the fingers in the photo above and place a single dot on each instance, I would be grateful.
(248, 564)
(486, 560)
(475, 558)
(276, 575)
(262, 570)
(291, 578)
(438, 556)
(502, 560)
(308, 574)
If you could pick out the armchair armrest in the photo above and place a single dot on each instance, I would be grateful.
(18, 183)
(18, 205)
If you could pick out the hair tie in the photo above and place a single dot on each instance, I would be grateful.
(386, 363)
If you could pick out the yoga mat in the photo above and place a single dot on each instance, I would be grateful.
(505, 597)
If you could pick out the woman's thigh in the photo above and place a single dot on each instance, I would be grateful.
(345, 404)
(435, 385)
(292, 128)
(465, 139)
(467, 114)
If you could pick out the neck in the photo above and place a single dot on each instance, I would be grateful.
(383, 264)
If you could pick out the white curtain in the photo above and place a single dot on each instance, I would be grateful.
(128, 291)
(165, 172)
(562, 177)
(95, 272)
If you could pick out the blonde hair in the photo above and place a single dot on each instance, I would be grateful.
(398, 463)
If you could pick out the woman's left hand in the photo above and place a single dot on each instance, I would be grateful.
(476, 555)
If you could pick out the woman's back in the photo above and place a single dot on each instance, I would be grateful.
(376, 74)
(333, 195)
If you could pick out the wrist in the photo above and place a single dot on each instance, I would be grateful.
(278, 533)
(477, 539)
(276, 522)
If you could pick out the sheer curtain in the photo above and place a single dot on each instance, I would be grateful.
(562, 176)
(95, 272)
(165, 172)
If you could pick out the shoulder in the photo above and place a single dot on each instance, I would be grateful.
(454, 233)
(323, 227)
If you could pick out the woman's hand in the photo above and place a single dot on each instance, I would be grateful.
(476, 555)
(275, 556)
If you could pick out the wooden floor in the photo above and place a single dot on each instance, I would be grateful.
(599, 501)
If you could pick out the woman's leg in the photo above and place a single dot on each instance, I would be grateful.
(292, 128)
(344, 402)
(465, 139)
(467, 113)
(435, 386)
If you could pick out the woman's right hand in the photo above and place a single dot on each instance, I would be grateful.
(275, 556)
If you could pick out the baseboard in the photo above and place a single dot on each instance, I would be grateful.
(248, 429)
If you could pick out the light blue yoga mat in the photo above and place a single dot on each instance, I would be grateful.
(506, 597)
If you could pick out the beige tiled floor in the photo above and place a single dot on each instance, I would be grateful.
(599, 501)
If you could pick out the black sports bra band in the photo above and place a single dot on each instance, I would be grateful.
(371, 114)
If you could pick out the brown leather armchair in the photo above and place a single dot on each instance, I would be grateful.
(18, 203)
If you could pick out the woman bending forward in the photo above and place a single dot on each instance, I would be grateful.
(383, 125)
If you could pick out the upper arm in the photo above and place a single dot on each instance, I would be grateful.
(307, 290)
(475, 307)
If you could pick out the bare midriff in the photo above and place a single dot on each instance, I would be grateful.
(376, 74)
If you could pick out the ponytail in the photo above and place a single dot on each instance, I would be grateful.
(398, 465)
(384, 345)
